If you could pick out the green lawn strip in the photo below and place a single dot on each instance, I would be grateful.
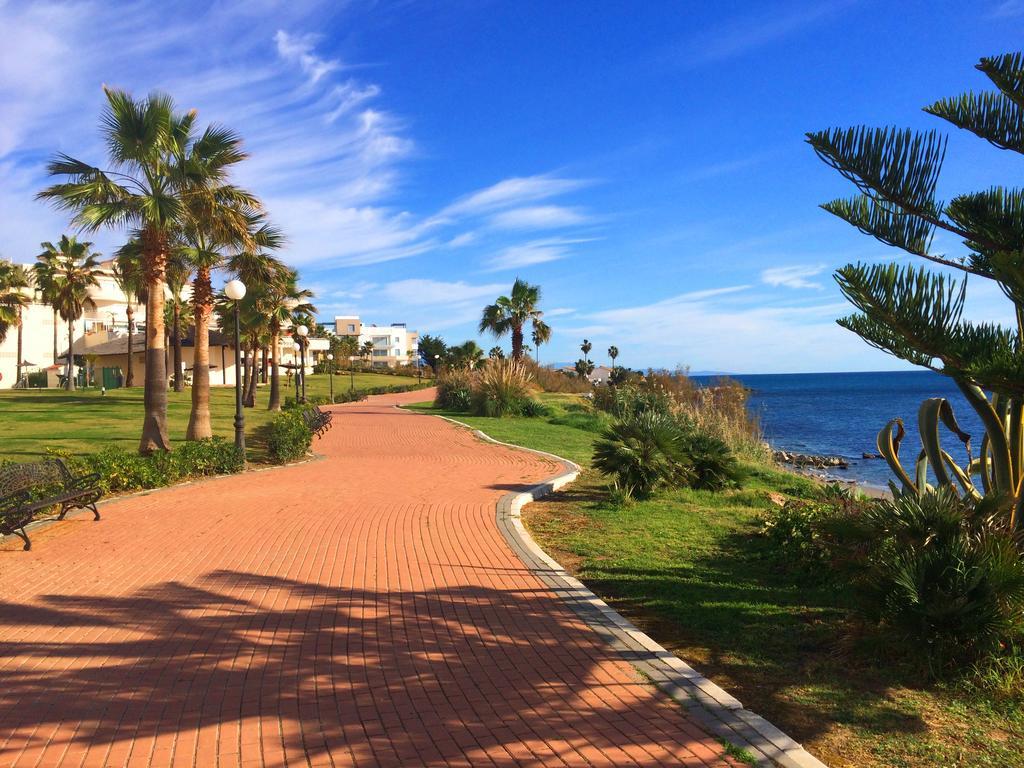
(84, 421)
(689, 568)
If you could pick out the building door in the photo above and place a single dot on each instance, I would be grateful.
(111, 377)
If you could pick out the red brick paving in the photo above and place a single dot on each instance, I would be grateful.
(358, 610)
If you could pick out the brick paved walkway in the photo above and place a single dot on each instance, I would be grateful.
(358, 610)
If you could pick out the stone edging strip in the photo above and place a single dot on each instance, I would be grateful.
(706, 703)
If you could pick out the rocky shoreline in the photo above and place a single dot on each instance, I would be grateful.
(805, 460)
(820, 467)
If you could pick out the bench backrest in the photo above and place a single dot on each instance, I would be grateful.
(15, 478)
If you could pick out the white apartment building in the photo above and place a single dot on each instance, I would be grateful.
(393, 344)
(101, 333)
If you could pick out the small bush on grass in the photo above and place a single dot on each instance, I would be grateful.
(643, 453)
(943, 575)
(122, 471)
(550, 380)
(455, 390)
(713, 467)
(202, 458)
(287, 436)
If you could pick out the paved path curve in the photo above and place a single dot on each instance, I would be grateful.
(361, 609)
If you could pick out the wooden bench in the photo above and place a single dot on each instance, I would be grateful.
(27, 489)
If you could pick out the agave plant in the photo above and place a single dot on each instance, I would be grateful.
(916, 314)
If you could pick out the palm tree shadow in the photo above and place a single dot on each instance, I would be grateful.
(281, 671)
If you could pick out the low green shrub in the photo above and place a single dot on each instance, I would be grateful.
(349, 396)
(455, 390)
(287, 436)
(943, 575)
(533, 408)
(796, 536)
(588, 421)
(713, 467)
(203, 458)
(642, 453)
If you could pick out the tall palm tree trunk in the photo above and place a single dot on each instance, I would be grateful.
(250, 393)
(517, 342)
(21, 325)
(199, 427)
(69, 385)
(275, 372)
(179, 374)
(264, 364)
(154, 425)
(129, 374)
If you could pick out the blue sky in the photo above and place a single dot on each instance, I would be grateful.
(643, 162)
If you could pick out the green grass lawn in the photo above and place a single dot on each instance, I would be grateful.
(690, 568)
(84, 421)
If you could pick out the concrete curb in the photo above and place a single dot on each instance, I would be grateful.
(706, 703)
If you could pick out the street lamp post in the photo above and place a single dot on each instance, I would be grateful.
(235, 291)
(437, 363)
(351, 374)
(330, 373)
(303, 331)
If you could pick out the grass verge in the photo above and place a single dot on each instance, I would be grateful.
(32, 420)
(690, 569)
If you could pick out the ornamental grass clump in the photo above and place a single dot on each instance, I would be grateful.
(502, 388)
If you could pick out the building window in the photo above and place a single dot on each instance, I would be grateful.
(351, 328)
(380, 353)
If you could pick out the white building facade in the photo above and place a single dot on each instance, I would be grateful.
(393, 345)
(100, 335)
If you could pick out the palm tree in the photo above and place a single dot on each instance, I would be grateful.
(14, 280)
(279, 301)
(129, 278)
(366, 350)
(177, 275)
(586, 346)
(71, 274)
(466, 355)
(496, 353)
(159, 165)
(508, 314)
(541, 335)
(225, 227)
(613, 352)
(43, 271)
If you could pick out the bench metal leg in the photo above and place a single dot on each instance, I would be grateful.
(24, 537)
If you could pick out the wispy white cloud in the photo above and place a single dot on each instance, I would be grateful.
(725, 167)
(300, 49)
(796, 276)
(533, 252)
(558, 312)
(1007, 9)
(512, 192)
(753, 31)
(538, 217)
(462, 240)
(418, 291)
(731, 329)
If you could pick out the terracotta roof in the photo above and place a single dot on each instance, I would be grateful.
(119, 344)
